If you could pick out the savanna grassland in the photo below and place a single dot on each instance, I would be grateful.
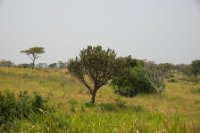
(177, 111)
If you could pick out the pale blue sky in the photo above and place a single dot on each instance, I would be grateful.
(158, 30)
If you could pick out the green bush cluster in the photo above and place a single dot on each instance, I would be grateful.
(132, 82)
(20, 107)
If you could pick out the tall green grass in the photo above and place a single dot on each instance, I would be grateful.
(68, 110)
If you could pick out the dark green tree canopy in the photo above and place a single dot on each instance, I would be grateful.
(33, 53)
(131, 80)
(96, 63)
(53, 65)
(195, 66)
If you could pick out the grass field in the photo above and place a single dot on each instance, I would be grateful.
(177, 111)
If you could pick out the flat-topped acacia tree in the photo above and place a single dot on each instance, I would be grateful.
(97, 64)
(33, 53)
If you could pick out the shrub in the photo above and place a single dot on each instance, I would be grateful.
(7, 107)
(20, 107)
(131, 82)
(39, 103)
(195, 68)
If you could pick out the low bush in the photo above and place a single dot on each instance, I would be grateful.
(20, 107)
(131, 82)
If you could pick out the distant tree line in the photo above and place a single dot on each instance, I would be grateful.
(6, 63)
(43, 65)
(192, 69)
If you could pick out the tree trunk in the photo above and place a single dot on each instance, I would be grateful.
(160, 94)
(33, 65)
(93, 97)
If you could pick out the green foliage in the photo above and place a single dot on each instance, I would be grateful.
(22, 107)
(131, 80)
(39, 103)
(53, 65)
(7, 107)
(76, 69)
(143, 113)
(33, 51)
(195, 68)
(98, 64)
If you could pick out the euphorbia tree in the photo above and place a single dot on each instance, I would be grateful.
(97, 64)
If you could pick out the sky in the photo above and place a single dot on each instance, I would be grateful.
(156, 30)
